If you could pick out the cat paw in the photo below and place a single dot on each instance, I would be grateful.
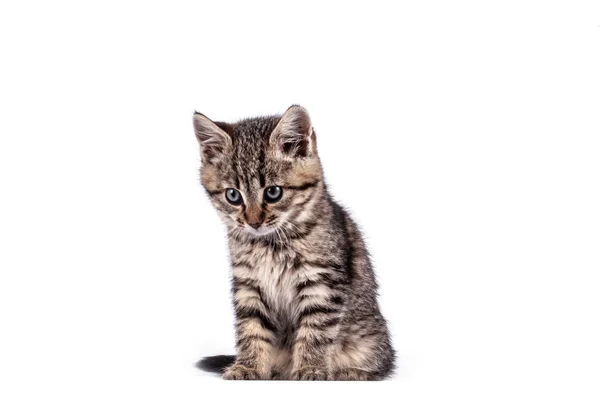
(309, 374)
(278, 376)
(351, 374)
(239, 372)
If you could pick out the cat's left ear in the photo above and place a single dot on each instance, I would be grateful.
(294, 136)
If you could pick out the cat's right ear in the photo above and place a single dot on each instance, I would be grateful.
(213, 138)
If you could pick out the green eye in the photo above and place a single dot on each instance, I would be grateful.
(233, 197)
(273, 194)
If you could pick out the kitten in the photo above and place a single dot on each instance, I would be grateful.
(304, 290)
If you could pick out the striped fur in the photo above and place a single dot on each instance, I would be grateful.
(304, 291)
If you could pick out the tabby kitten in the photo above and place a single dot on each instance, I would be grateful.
(304, 291)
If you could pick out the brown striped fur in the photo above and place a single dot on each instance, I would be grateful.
(304, 290)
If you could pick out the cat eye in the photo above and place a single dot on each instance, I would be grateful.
(273, 194)
(233, 197)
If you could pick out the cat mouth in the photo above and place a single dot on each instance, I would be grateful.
(260, 231)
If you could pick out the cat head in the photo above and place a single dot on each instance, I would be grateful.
(263, 174)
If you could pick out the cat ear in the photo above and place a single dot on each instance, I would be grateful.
(212, 136)
(293, 135)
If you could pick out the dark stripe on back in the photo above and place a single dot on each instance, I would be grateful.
(339, 216)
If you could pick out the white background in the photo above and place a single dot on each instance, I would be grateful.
(463, 136)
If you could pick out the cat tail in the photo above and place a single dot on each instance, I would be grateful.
(215, 363)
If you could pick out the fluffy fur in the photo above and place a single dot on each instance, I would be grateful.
(304, 291)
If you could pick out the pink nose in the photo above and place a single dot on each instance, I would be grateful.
(254, 216)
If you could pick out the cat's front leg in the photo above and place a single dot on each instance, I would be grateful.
(254, 334)
(320, 312)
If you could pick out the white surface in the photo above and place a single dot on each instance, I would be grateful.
(464, 137)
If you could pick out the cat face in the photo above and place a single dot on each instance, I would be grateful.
(262, 174)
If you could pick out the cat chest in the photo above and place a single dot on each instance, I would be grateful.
(278, 283)
(277, 280)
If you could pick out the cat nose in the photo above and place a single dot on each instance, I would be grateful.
(254, 216)
(255, 225)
